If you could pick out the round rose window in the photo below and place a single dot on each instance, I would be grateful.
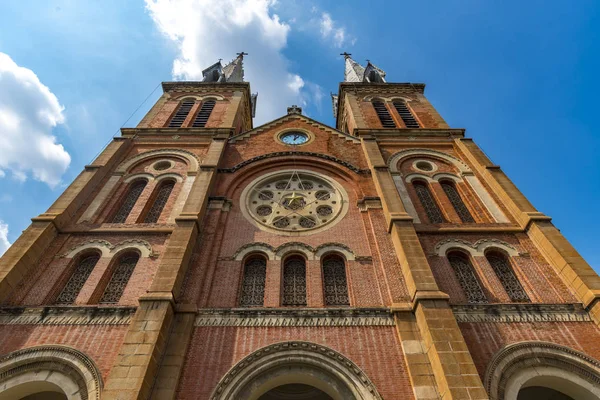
(294, 201)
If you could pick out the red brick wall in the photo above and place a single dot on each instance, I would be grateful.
(214, 350)
(99, 342)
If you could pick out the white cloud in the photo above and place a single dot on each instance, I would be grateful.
(4, 243)
(28, 112)
(205, 31)
(330, 30)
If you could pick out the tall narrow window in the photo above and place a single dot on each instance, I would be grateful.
(204, 113)
(457, 202)
(253, 284)
(407, 117)
(135, 190)
(164, 191)
(294, 282)
(428, 202)
(334, 280)
(121, 274)
(82, 271)
(506, 275)
(466, 277)
(181, 114)
(383, 114)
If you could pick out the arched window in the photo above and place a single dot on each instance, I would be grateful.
(466, 277)
(383, 114)
(294, 281)
(82, 271)
(120, 276)
(428, 202)
(334, 282)
(164, 191)
(507, 277)
(182, 113)
(135, 190)
(253, 283)
(457, 202)
(404, 112)
(204, 113)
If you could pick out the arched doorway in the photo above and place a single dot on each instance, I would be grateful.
(297, 369)
(542, 370)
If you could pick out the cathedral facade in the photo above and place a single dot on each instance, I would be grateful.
(200, 257)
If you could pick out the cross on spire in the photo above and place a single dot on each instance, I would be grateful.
(345, 54)
(241, 54)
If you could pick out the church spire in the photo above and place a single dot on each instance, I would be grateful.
(354, 72)
(232, 72)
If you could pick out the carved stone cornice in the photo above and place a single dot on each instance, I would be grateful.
(411, 134)
(525, 312)
(66, 315)
(258, 317)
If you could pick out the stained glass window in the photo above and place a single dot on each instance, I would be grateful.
(82, 271)
(119, 278)
(457, 202)
(428, 202)
(507, 277)
(135, 190)
(253, 284)
(336, 286)
(164, 191)
(466, 277)
(294, 282)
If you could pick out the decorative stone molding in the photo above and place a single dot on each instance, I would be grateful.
(220, 203)
(295, 153)
(311, 253)
(394, 159)
(141, 175)
(168, 175)
(259, 317)
(294, 362)
(66, 315)
(517, 363)
(109, 250)
(367, 203)
(435, 178)
(199, 98)
(525, 312)
(476, 249)
(190, 158)
(61, 366)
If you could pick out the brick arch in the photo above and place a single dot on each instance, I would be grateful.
(476, 249)
(196, 97)
(397, 157)
(188, 157)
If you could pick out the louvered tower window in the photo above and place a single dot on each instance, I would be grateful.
(122, 272)
(181, 114)
(135, 190)
(334, 280)
(82, 271)
(204, 113)
(466, 277)
(428, 202)
(383, 114)
(407, 117)
(507, 277)
(253, 284)
(164, 191)
(456, 201)
(294, 282)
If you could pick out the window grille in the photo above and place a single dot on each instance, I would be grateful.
(253, 285)
(77, 280)
(428, 202)
(384, 115)
(466, 277)
(407, 117)
(134, 193)
(294, 282)
(336, 286)
(164, 191)
(181, 114)
(204, 113)
(507, 276)
(120, 277)
(457, 202)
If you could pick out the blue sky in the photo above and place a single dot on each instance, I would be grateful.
(521, 77)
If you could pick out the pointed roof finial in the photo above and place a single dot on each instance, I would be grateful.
(345, 54)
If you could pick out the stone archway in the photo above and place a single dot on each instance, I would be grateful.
(526, 369)
(306, 366)
(58, 371)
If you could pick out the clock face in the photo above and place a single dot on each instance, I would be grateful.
(294, 138)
